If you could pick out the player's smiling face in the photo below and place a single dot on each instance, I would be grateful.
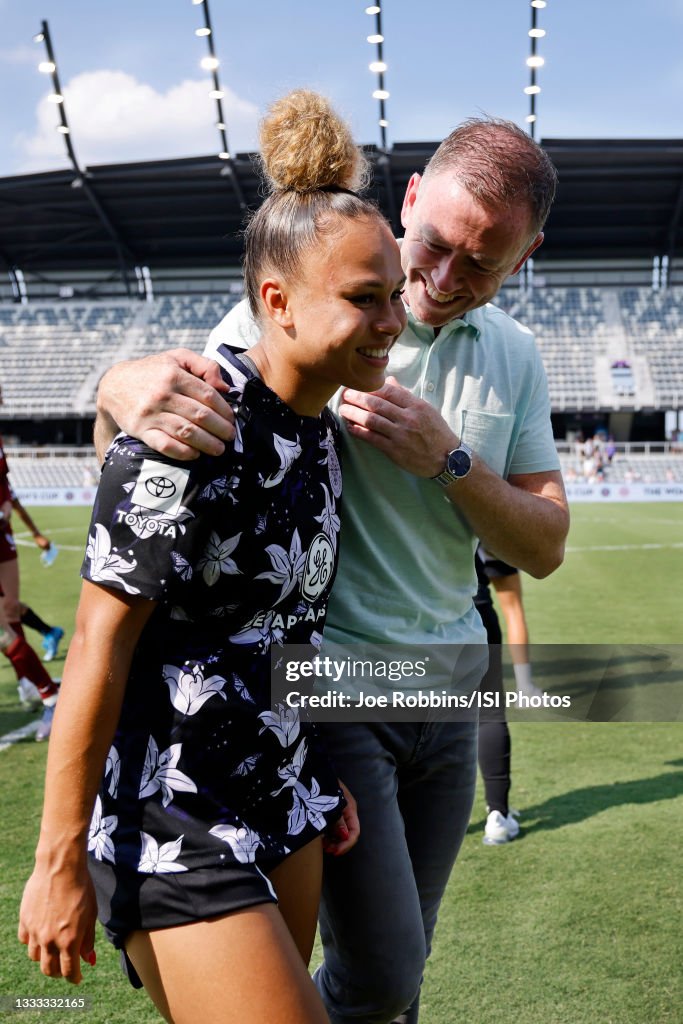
(346, 306)
(457, 252)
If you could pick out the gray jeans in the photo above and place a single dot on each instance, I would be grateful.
(414, 783)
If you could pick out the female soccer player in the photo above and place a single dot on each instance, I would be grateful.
(195, 803)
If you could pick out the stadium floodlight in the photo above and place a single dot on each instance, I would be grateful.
(46, 67)
(63, 129)
(55, 97)
(39, 38)
(533, 63)
(378, 67)
(211, 63)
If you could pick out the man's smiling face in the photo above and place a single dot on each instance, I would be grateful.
(456, 252)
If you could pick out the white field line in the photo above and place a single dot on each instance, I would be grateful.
(625, 547)
(18, 734)
(21, 543)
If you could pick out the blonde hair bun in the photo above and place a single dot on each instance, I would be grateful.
(305, 145)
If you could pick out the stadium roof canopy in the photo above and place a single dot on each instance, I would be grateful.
(617, 199)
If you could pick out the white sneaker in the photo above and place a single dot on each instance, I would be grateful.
(45, 725)
(500, 829)
(28, 694)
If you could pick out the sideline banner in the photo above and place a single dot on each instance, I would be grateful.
(624, 492)
(55, 495)
(575, 492)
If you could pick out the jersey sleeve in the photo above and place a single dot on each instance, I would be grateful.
(535, 450)
(151, 519)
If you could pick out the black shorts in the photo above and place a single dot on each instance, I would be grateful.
(129, 901)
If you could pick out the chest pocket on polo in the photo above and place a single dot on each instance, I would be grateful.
(488, 435)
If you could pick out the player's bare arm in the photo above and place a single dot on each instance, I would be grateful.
(525, 519)
(171, 401)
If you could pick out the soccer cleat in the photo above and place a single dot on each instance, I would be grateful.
(50, 643)
(500, 829)
(28, 694)
(45, 725)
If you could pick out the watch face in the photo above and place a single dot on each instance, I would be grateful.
(459, 463)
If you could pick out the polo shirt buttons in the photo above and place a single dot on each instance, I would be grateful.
(431, 386)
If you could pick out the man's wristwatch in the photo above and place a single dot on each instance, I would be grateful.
(458, 465)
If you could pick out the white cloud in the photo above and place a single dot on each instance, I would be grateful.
(114, 118)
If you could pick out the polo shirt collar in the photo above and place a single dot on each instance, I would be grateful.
(426, 333)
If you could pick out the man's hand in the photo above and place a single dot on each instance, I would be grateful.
(341, 836)
(170, 401)
(411, 432)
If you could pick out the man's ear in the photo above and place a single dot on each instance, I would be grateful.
(275, 299)
(409, 199)
(538, 240)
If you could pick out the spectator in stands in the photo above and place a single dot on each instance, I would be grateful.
(466, 419)
(34, 684)
(209, 801)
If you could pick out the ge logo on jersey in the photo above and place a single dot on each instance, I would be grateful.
(159, 487)
(319, 567)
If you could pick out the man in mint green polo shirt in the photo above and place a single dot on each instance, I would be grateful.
(456, 446)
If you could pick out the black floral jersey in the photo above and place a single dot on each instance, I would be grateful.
(240, 552)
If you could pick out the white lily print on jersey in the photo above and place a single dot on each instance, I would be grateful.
(287, 568)
(216, 560)
(106, 566)
(112, 768)
(189, 689)
(160, 860)
(259, 631)
(100, 842)
(333, 467)
(307, 805)
(328, 518)
(284, 722)
(242, 841)
(288, 452)
(161, 772)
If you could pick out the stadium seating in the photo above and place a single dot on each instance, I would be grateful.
(53, 354)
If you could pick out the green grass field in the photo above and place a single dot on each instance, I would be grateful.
(578, 921)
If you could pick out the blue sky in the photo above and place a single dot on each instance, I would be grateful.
(135, 91)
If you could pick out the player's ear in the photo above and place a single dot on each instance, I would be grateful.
(410, 198)
(275, 298)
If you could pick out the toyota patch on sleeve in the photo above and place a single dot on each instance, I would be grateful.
(160, 487)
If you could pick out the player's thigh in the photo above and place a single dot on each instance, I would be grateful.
(9, 582)
(240, 968)
(297, 883)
